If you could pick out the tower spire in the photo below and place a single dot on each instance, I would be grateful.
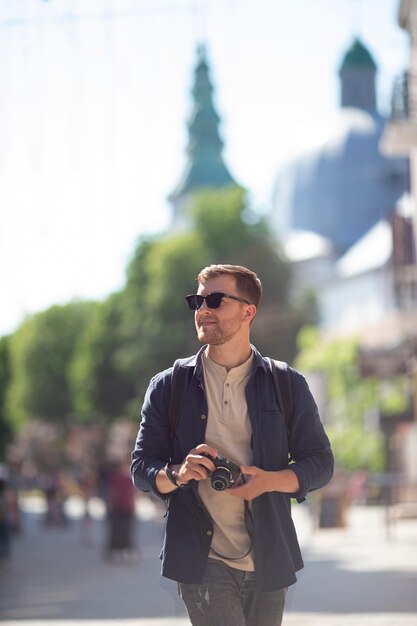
(357, 74)
(205, 166)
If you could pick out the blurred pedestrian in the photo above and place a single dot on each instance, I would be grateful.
(233, 551)
(87, 485)
(120, 504)
(53, 488)
(7, 516)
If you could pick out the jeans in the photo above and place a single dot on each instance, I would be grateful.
(228, 597)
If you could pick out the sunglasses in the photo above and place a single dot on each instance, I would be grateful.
(213, 300)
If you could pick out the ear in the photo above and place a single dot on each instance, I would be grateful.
(250, 312)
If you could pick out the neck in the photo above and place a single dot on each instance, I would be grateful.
(227, 357)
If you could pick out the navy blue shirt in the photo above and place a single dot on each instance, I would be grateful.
(189, 529)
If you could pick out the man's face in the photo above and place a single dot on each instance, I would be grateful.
(218, 326)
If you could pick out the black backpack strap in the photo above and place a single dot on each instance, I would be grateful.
(282, 383)
(180, 379)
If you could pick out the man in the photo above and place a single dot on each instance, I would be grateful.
(233, 552)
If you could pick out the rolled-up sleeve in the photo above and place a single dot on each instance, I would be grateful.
(152, 447)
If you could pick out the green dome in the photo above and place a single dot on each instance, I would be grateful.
(358, 56)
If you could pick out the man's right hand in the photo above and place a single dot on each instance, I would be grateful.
(195, 466)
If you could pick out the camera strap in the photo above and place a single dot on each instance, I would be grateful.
(248, 524)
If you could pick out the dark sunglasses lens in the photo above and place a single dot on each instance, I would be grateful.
(214, 300)
(194, 302)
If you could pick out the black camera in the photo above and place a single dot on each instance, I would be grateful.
(226, 473)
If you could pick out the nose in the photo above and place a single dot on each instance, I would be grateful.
(203, 308)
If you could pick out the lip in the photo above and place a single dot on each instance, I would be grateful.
(202, 323)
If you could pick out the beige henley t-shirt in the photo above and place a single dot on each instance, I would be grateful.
(229, 431)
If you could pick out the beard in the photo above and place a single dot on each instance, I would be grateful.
(216, 334)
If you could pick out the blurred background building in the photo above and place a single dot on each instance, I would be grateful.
(400, 138)
(347, 215)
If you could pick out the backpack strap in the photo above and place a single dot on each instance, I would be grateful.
(180, 379)
(282, 383)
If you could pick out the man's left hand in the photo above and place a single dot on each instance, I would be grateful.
(259, 481)
(256, 483)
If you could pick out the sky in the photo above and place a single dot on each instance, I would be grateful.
(94, 101)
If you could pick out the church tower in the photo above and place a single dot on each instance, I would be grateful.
(357, 75)
(205, 166)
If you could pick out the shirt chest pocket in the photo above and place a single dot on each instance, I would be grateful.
(273, 441)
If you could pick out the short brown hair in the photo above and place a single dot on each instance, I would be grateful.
(248, 284)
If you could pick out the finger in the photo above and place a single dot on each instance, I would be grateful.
(198, 466)
(204, 448)
(200, 460)
(189, 468)
(193, 472)
(198, 472)
(204, 458)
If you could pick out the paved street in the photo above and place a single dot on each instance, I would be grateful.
(357, 576)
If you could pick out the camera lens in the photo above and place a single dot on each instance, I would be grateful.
(221, 479)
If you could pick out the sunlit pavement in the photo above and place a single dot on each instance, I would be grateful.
(291, 619)
(365, 574)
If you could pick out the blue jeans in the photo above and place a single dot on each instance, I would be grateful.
(228, 597)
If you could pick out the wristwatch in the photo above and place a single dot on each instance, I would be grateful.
(172, 476)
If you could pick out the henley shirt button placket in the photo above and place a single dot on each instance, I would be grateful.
(226, 402)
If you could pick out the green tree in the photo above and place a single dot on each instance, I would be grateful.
(99, 381)
(156, 320)
(40, 354)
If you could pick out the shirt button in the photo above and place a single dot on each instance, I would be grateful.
(209, 533)
(226, 402)
(203, 417)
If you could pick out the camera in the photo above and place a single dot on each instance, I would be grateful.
(226, 473)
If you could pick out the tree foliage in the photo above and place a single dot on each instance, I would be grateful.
(40, 355)
(351, 400)
(98, 381)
